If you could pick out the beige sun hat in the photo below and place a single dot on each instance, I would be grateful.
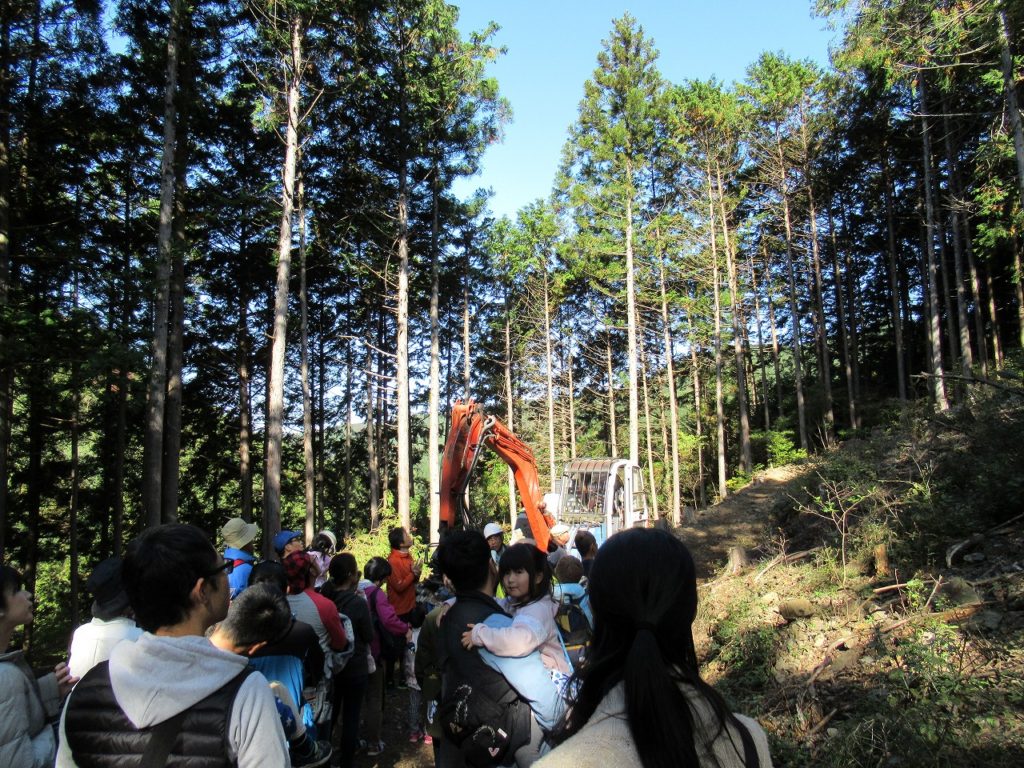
(237, 533)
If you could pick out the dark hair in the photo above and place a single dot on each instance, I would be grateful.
(160, 568)
(464, 558)
(10, 581)
(342, 566)
(526, 557)
(259, 614)
(643, 592)
(269, 572)
(569, 570)
(377, 569)
(396, 537)
(322, 544)
(585, 543)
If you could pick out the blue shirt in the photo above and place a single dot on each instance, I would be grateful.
(238, 579)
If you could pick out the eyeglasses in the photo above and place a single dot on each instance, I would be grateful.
(227, 566)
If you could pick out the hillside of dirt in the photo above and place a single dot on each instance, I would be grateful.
(867, 606)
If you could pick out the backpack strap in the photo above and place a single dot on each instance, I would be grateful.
(750, 759)
(161, 739)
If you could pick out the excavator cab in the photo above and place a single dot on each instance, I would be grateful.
(603, 496)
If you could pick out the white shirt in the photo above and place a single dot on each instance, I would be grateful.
(93, 642)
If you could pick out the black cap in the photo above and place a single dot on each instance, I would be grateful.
(110, 599)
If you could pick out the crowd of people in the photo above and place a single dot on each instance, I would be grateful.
(580, 656)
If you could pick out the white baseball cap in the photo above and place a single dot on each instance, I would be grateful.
(492, 529)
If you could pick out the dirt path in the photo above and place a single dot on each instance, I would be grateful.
(741, 520)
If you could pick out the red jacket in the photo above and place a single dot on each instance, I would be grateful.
(401, 582)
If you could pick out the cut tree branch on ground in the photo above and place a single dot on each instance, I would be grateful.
(785, 559)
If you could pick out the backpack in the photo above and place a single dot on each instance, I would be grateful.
(392, 646)
(339, 659)
(575, 630)
(484, 730)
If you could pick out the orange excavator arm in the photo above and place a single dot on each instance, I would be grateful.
(470, 429)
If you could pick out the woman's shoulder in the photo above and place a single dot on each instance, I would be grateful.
(604, 740)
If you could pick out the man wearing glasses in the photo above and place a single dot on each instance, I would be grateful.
(172, 692)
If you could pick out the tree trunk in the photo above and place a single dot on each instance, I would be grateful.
(176, 338)
(153, 444)
(894, 288)
(631, 333)
(467, 357)
(549, 377)
(723, 490)
(773, 326)
(760, 343)
(938, 384)
(404, 468)
(571, 397)
(612, 426)
(275, 400)
(844, 337)
(794, 313)
(746, 460)
(673, 406)
(244, 410)
(512, 505)
(1012, 107)
(650, 442)
(819, 308)
(993, 318)
(372, 462)
(309, 469)
(698, 430)
(953, 172)
(433, 408)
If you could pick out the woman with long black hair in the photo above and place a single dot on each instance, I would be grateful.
(641, 700)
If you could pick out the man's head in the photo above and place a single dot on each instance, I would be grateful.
(569, 570)
(465, 559)
(560, 534)
(586, 545)
(298, 567)
(239, 534)
(343, 568)
(259, 615)
(494, 535)
(269, 572)
(399, 538)
(104, 584)
(172, 575)
(287, 542)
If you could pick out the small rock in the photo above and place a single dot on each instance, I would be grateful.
(798, 608)
(867, 661)
(988, 620)
(770, 597)
(819, 641)
(959, 592)
(974, 557)
(832, 732)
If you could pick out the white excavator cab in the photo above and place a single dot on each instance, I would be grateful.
(603, 496)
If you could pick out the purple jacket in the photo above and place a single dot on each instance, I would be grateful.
(388, 618)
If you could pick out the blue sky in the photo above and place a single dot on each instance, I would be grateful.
(553, 46)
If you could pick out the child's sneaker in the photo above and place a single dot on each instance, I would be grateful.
(310, 754)
(414, 737)
(375, 749)
(428, 739)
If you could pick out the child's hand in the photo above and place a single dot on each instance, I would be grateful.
(467, 637)
(65, 682)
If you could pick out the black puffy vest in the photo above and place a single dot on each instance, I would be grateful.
(100, 735)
